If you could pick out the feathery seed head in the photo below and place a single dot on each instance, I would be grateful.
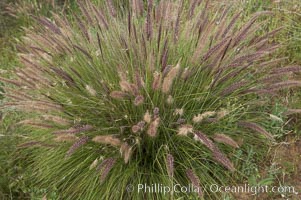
(147, 117)
(107, 139)
(170, 165)
(153, 127)
(185, 129)
(126, 152)
(169, 100)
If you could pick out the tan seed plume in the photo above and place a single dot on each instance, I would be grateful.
(185, 129)
(56, 119)
(126, 152)
(153, 127)
(222, 113)
(65, 138)
(185, 74)
(169, 100)
(75, 129)
(118, 95)
(135, 129)
(125, 86)
(200, 117)
(147, 117)
(168, 80)
(138, 100)
(156, 81)
(91, 90)
(222, 138)
(94, 164)
(178, 111)
(36, 123)
(107, 139)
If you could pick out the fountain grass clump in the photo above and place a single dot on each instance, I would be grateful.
(158, 93)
